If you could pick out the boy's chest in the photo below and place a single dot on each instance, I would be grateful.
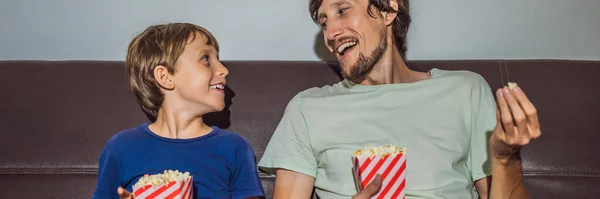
(211, 170)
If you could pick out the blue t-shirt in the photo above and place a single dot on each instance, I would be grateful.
(222, 164)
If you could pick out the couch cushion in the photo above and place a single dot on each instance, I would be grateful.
(57, 116)
(563, 161)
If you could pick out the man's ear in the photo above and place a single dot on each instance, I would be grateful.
(389, 17)
(163, 77)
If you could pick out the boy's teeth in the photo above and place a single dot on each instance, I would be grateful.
(218, 86)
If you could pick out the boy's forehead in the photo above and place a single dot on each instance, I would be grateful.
(200, 42)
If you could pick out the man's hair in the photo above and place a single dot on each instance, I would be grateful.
(158, 45)
(399, 27)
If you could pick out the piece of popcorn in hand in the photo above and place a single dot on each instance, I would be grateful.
(512, 85)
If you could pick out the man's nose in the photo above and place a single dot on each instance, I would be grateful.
(334, 29)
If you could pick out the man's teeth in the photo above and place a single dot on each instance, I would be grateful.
(218, 86)
(344, 46)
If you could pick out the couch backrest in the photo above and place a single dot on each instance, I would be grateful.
(56, 117)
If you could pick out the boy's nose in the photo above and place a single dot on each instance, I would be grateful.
(222, 70)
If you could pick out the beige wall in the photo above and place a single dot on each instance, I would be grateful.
(282, 29)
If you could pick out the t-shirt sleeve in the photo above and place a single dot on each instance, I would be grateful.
(289, 147)
(246, 182)
(108, 175)
(483, 124)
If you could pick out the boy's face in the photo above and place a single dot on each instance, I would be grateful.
(355, 38)
(199, 77)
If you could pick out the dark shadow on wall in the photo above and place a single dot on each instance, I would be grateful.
(221, 119)
(324, 55)
(321, 50)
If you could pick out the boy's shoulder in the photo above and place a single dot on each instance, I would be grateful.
(127, 137)
(232, 137)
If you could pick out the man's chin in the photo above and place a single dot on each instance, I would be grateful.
(346, 65)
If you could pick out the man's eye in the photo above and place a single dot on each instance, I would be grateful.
(341, 11)
(323, 25)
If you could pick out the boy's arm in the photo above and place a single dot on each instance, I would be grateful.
(246, 182)
(108, 175)
(517, 125)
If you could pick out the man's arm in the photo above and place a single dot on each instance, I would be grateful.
(517, 125)
(291, 184)
(483, 187)
(508, 179)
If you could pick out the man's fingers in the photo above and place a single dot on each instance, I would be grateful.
(124, 194)
(371, 189)
(519, 117)
(505, 116)
(530, 110)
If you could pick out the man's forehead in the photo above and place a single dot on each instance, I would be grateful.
(330, 4)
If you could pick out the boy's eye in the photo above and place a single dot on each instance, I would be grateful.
(204, 58)
(342, 10)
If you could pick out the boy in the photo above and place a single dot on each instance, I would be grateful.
(175, 73)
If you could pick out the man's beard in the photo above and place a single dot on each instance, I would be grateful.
(364, 65)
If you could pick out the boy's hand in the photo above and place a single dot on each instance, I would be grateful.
(124, 194)
(371, 189)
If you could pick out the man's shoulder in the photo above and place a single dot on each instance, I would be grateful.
(465, 78)
(463, 74)
(323, 91)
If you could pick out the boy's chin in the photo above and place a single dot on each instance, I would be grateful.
(218, 107)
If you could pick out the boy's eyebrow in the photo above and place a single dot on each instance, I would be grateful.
(207, 49)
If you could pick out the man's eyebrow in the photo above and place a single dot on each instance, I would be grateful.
(335, 5)
(321, 16)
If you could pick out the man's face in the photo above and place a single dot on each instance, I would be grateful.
(356, 38)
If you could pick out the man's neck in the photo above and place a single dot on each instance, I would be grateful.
(179, 123)
(391, 69)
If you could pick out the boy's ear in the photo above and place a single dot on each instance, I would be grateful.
(389, 17)
(163, 77)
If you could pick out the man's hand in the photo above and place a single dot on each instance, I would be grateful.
(517, 124)
(370, 190)
(124, 194)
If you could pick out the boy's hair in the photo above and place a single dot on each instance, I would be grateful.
(158, 45)
(399, 27)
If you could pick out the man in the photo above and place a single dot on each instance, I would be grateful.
(456, 134)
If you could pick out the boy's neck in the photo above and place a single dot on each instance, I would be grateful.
(178, 125)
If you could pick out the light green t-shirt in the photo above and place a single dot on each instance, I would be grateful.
(444, 122)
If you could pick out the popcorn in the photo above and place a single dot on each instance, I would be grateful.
(170, 184)
(388, 161)
(512, 85)
(379, 151)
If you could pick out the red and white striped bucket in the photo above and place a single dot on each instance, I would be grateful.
(393, 173)
(172, 190)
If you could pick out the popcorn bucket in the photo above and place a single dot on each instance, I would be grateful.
(389, 162)
(170, 185)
